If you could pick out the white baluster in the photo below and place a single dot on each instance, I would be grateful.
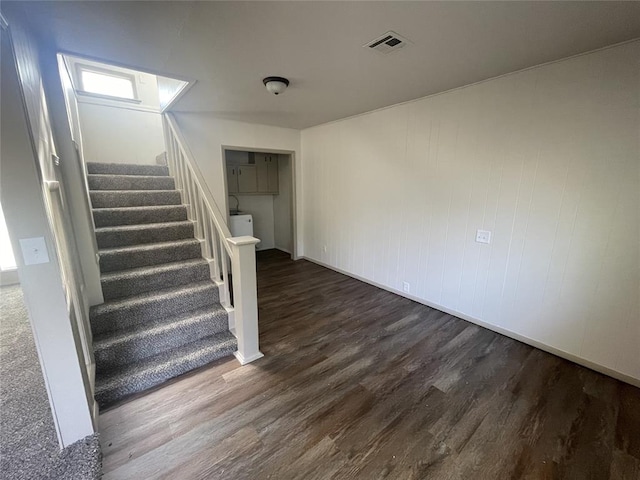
(220, 249)
(225, 274)
(217, 255)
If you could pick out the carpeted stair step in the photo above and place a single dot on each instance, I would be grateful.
(123, 258)
(126, 312)
(115, 350)
(110, 217)
(124, 235)
(133, 198)
(145, 279)
(160, 368)
(130, 182)
(126, 169)
(162, 315)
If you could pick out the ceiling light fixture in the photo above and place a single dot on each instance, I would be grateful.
(275, 85)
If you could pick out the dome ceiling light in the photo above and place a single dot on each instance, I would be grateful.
(275, 85)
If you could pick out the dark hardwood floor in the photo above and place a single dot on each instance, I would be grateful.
(361, 383)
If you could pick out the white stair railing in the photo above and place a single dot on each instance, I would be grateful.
(219, 248)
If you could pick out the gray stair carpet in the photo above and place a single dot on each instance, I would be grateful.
(125, 235)
(133, 198)
(104, 217)
(129, 182)
(124, 283)
(122, 258)
(161, 316)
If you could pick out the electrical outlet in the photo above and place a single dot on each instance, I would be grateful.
(483, 236)
(406, 287)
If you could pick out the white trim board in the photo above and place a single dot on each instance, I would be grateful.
(112, 102)
(9, 277)
(503, 331)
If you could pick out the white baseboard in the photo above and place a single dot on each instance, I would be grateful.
(252, 358)
(503, 331)
(9, 277)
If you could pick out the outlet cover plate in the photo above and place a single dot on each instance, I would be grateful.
(483, 236)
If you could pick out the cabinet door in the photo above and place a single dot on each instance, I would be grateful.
(247, 180)
(232, 179)
(272, 171)
(262, 168)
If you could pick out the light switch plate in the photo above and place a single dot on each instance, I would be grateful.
(34, 250)
(483, 236)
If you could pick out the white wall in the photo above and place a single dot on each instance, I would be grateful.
(120, 135)
(206, 136)
(547, 159)
(168, 90)
(29, 215)
(119, 131)
(65, 121)
(261, 207)
(282, 206)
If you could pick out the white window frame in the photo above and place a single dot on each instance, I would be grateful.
(80, 67)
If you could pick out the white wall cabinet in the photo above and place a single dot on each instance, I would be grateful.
(247, 179)
(232, 178)
(242, 179)
(267, 168)
(260, 176)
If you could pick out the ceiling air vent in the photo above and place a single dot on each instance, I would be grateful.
(387, 43)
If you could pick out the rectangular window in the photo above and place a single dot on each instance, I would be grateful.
(109, 84)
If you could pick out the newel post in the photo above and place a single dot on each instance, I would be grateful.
(245, 298)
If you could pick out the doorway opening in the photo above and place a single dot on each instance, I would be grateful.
(261, 196)
(8, 266)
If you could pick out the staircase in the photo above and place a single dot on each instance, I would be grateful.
(161, 316)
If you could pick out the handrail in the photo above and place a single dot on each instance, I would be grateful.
(231, 259)
(81, 165)
(72, 285)
(218, 219)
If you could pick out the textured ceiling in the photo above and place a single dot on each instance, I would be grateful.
(228, 47)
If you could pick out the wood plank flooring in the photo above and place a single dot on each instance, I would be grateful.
(359, 383)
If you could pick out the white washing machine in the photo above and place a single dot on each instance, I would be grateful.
(241, 225)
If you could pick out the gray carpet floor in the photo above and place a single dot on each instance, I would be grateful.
(28, 443)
